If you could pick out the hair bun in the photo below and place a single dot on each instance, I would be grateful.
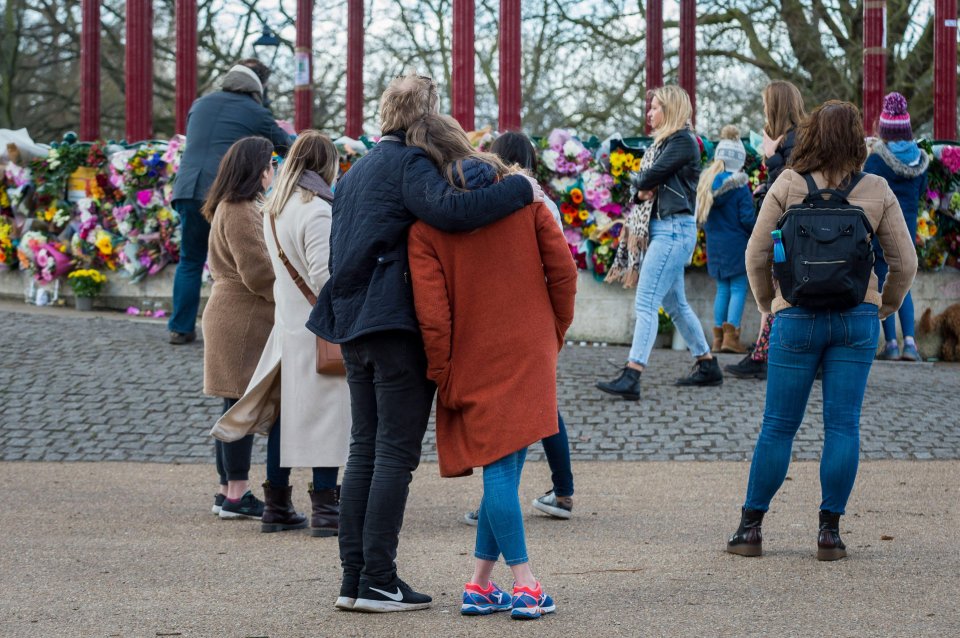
(895, 104)
(730, 132)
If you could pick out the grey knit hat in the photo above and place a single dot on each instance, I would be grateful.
(732, 154)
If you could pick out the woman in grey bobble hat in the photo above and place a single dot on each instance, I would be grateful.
(725, 211)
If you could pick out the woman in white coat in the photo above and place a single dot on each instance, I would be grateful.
(314, 409)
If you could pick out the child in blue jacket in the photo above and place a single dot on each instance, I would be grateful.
(725, 210)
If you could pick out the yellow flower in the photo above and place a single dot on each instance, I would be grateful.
(616, 171)
(583, 214)
(568, 218)
(103, 243)
(636, 165)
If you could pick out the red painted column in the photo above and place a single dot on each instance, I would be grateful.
(303, 77)
(139, 70)
(90, 71)
(463, 90)
(511, 60)
(688, 51)
(874, 62)
(354, 68)
(654, 62)
(186, 61)
(945, 70)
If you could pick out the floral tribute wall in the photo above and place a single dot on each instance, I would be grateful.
(108, 207)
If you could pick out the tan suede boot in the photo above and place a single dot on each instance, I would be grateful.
(717, 339)
(731, 340)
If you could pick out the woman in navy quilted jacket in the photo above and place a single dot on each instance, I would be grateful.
(897, 158)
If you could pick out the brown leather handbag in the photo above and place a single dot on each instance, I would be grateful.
(329, 356)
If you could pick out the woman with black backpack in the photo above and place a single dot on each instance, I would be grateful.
(826, 307)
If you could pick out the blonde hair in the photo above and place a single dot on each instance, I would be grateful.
(447, 144)
(312, 151)
(406, 99)
(677, 110)
(783, 108)
(705, 185)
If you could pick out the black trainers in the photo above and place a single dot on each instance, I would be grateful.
(182, 338)
(748, 368)
(349, 589)
(393, 596)
(626, 386)
(705, 372)
(249, 506)
(218, 500)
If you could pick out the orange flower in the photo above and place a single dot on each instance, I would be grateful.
(576, 196)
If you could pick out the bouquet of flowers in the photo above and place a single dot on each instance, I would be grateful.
(86, 282)
(43, 256)
(8, 244)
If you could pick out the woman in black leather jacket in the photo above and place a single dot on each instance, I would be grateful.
(670, 184)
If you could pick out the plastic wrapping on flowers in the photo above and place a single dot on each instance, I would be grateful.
(97, 207)
(938, 223)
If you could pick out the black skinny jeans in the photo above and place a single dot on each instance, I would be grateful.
(233, 459)
(390, 398)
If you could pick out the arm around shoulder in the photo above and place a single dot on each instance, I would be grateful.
(431, 198)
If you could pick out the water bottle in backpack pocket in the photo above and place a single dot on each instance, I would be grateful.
(825, 256)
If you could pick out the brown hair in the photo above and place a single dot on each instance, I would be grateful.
(240, 176)
(406, 99)
(258, 67)
(312, 151)
(446, 143)
(831, 141)
(783, 108)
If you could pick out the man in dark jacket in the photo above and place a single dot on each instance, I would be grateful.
(214, 123)
(367, 307)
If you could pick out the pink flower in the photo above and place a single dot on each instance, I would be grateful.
(144, 197)
(950, 156)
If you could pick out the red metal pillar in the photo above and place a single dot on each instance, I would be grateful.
(510, 63)
(186, 61)
(90, 71)
(464, 96)
(654, 62)
(354, 68)
(303, 78)
(688, 51)
(945, 70)
(874, 62)
(139, 70)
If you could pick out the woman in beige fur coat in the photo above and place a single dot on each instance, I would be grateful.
(314, 409)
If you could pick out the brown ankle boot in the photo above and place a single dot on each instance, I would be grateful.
(717, 339)
(829, 544)
(278, 512)
(326, 511)
(731, 340)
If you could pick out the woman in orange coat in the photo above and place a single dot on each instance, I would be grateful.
(493, 306)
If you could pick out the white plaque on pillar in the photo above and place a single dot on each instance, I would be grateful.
(301, 75)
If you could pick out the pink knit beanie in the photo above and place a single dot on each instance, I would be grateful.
(894, 119)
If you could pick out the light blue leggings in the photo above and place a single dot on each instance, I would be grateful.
(728, 305)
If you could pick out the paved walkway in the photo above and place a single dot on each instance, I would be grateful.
(131, 550)
(91, 387)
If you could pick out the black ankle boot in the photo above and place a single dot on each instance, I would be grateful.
(325, 518)
(705, 372)
(829, 544)
(748, 539)
(626, 386)
(278, 512)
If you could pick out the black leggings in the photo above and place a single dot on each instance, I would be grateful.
(233, 460)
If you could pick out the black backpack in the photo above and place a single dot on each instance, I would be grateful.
(826, 258)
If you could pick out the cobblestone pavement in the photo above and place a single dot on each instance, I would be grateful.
(104, 387)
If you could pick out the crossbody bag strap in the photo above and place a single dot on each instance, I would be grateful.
(297, 279)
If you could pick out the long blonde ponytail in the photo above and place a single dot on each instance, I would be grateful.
(705, 190)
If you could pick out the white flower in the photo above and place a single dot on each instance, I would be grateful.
(572, 148)
(549, 159)
(562, 184)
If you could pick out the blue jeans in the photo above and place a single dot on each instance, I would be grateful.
(672, 241)
(324, 478)
(557, 449)
(500, 527)
(195, 232)
(906, 309)
(728, 305)
(844, 343)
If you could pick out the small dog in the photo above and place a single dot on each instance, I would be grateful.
(947, 326)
